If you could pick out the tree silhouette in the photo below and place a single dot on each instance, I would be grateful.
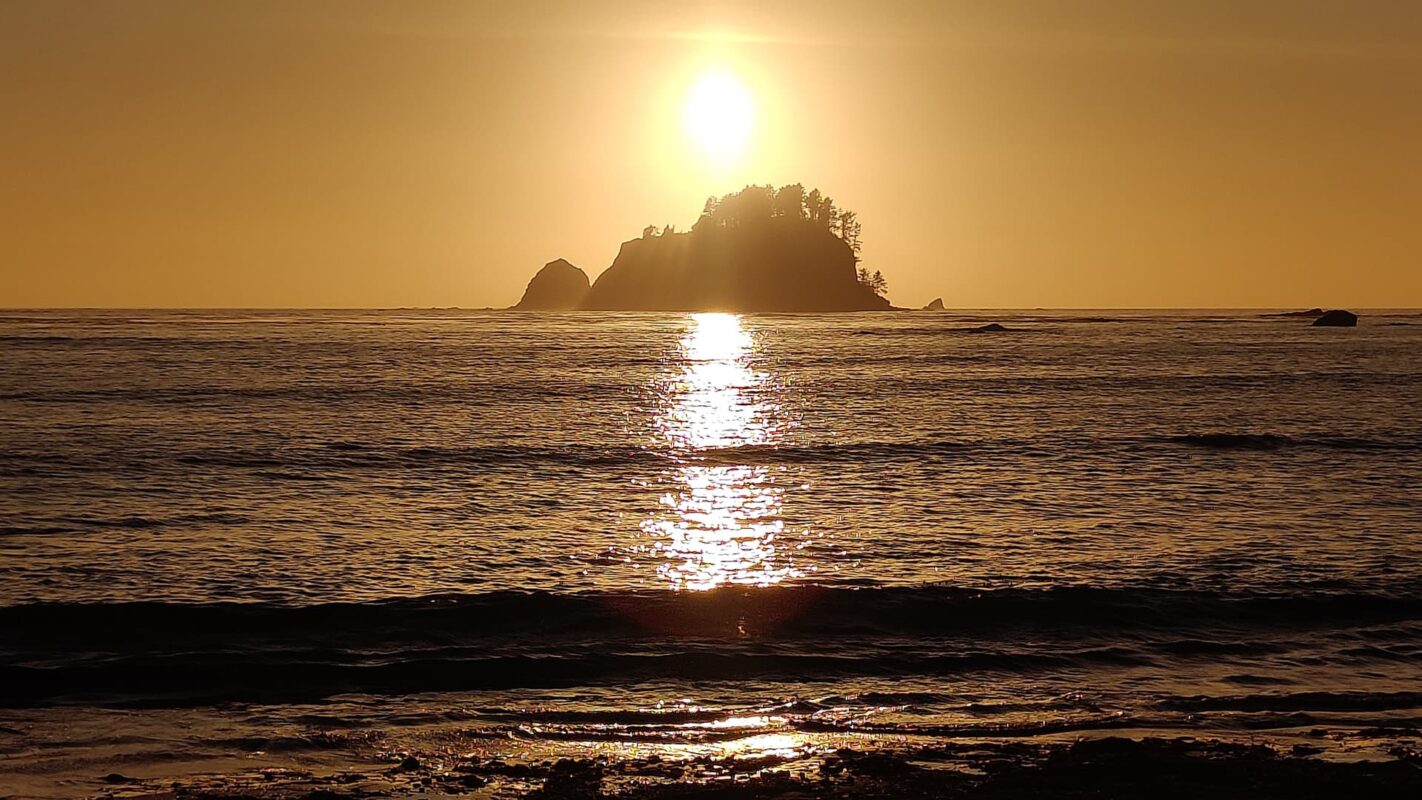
(849, 228)
(812, 204)
(790, 201)
(875, 280)
(756, 203)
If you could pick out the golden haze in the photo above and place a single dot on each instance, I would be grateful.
(1004, 154)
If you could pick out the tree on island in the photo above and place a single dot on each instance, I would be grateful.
(756, 203)
(762, 248)
(652, 230)
(759, 204)
(875, 281)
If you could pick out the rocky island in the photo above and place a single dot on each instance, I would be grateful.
(759, 249)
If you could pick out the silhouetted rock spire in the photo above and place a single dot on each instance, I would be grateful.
(559, 286)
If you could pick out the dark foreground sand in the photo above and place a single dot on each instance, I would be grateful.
(1101, 768)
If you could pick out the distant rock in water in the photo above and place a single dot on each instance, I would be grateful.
(1337, 318)
(991, 327)
(936, 305)
(559, 286)
(1312, 313)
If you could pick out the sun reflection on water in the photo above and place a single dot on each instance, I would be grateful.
(720, 522)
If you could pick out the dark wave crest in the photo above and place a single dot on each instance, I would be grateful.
(1272, 441)
(135, 652)
(62, 525)
(800, 609)
(314, 462)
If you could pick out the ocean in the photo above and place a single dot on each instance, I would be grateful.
(440, 550)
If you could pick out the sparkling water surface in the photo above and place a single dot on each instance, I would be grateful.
(301, 457)
(324, 542)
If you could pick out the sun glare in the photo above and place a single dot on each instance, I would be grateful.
(719, 114)
(720, 522)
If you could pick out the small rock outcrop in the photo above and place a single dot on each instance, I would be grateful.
(936, 305)
(559, 286)
(1337, 318)
(991, 327)
(1312, 313)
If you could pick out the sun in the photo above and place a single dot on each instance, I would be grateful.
(719, 115)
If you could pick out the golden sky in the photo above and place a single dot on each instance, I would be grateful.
(1018, 153)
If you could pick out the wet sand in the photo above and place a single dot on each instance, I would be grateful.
(1107, 767)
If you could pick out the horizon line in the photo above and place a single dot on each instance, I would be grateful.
(687, 311)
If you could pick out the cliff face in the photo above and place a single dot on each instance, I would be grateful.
(779, 264)
(559, 286)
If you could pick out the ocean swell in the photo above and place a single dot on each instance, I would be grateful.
(141, 652)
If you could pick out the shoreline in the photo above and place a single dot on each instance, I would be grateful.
(1100, 767)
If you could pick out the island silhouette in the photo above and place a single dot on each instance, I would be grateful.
(759, 249)
(559, 286)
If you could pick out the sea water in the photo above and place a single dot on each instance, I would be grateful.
(234, 540)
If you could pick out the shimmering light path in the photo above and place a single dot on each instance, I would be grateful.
(720, 524)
